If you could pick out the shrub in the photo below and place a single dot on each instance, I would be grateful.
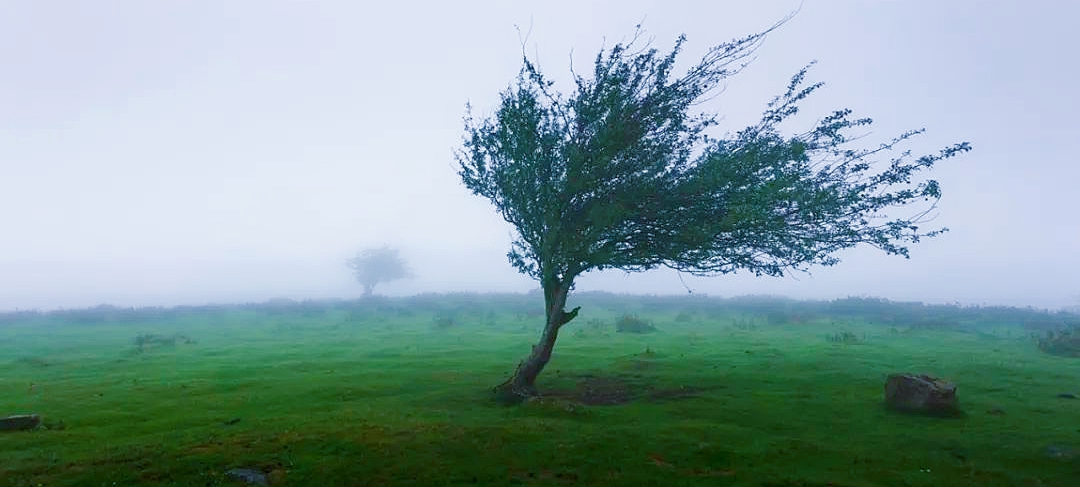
(444, 320)
(595, 324)
(633, 324)
(1063, 343)
(845, 337)
(593, 327)
(148, 340)
(743, 324)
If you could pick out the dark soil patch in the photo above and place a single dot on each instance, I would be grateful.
(595, 390)
(611, 390)
(674, 393)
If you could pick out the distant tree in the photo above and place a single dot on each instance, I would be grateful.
(375, 266)
(621, 175)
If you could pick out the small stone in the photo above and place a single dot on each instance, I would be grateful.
(277, 476)
(249, 476)
(53, 425)
(20, 422)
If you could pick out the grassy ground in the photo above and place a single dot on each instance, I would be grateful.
(339, 399)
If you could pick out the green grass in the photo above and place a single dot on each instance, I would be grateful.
(390, 400)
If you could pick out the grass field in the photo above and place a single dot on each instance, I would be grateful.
(399, 394)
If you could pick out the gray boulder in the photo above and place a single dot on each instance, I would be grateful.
(21, 422)
(248, 476)
(921, 394)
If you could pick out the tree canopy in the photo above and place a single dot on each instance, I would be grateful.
(626, 172)
(377, 265)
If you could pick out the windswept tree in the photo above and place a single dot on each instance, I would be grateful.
(375, 266)
(624, 173)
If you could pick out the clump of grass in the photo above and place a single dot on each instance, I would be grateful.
(633, 324)
(1062, 343)
(845, 337)
(593, 327)
(743, 324)
(150, 340)
(594, 324)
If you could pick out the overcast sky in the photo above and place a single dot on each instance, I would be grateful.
(161, 153)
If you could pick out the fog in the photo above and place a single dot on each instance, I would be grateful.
(163, 153)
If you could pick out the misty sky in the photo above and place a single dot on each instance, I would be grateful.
(161, 153)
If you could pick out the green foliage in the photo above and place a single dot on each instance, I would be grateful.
(621, 174)
(744, 310)
(444, 320)
(147, 341)
(624, 173)
(375, 266)
(745, 324)
(594, 327)
(1064, 342)
(633, 324)
(845, 337)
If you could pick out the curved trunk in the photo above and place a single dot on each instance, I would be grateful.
(522, 384)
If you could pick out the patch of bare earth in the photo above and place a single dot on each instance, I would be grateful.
(611, 390)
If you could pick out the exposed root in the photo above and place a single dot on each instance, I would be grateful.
(509, 393)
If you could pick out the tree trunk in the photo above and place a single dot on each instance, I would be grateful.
(522, 385)
(369, 289)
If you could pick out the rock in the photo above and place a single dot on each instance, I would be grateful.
(277, 476)
(1067, 395)
(921, 394)
(249, 476)
(21, 422)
